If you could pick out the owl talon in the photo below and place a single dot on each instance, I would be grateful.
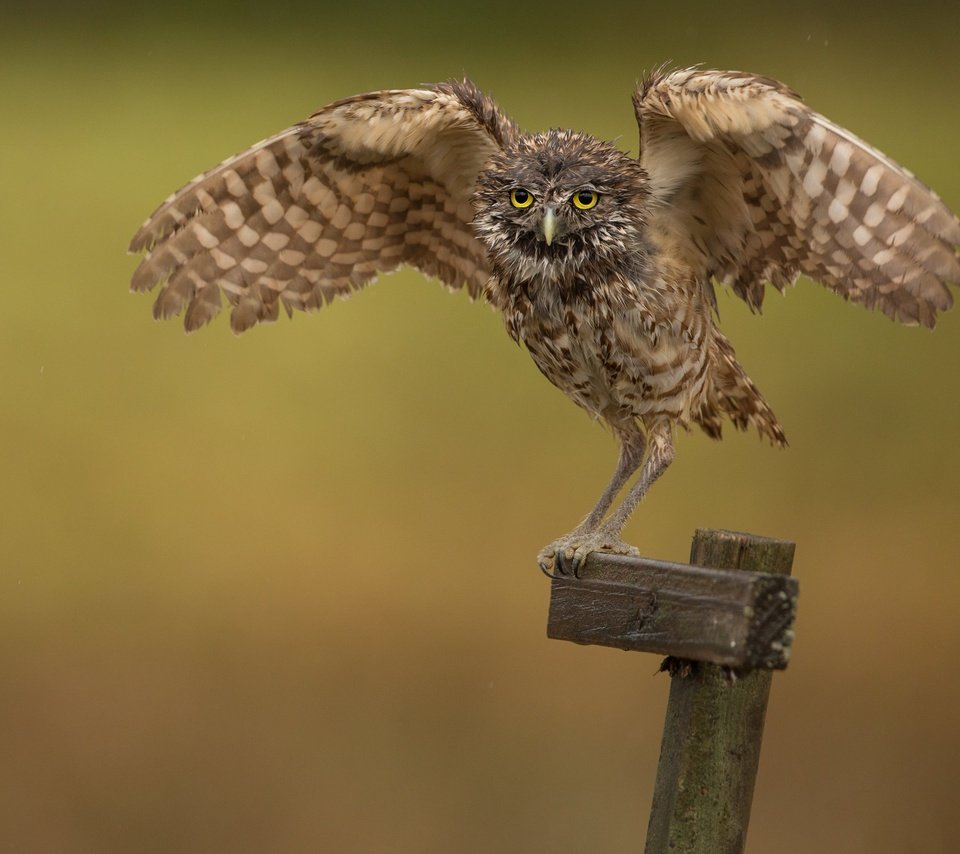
(549, 562)
(546, 567)
(558, 560)
(569, 562)
(565, 557)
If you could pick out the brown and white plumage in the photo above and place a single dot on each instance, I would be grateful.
(603, 265)
(756, 188)
(359, 188)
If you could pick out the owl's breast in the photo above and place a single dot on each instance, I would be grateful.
(641, 361)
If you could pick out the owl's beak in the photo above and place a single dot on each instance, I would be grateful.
(549, 224)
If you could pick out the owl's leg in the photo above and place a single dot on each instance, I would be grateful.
(660, 456)
(633, 445)
(606, 537)
(561, 551)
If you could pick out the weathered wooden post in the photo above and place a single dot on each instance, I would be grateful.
(726, 621)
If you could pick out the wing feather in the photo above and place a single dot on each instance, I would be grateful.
(755, 187)
(320, 209)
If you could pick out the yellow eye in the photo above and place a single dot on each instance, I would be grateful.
(585, 199)
(520, 198)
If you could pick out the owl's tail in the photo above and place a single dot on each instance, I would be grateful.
(732, 393)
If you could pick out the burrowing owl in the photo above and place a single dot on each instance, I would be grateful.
(602, 264)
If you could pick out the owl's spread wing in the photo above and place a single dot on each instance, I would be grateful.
(361, 187)
(755, 187)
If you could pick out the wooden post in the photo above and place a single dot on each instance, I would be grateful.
(727, 623)
(714, 726)
(742, 620)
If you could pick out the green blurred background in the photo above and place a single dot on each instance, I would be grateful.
(278, 592)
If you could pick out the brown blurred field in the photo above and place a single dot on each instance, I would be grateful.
(278, 592)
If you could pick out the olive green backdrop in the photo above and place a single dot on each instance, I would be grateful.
(278, 592)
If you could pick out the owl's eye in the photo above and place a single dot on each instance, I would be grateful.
(520, 198)
(585, 199)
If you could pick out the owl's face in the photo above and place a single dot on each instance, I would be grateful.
(560, 207)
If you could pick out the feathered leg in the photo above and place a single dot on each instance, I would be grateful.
(561, 551)
(660, 456)
(568, 553)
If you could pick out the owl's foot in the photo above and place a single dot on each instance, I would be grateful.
(565, 557)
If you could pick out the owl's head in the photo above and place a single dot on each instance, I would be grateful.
(560, 207)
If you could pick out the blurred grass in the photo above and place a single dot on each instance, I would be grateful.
(277, 592)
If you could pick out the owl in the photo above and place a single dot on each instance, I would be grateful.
(603, 265)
